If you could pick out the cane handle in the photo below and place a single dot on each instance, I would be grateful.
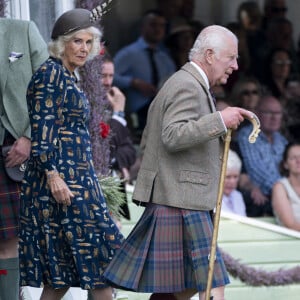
(256, 128)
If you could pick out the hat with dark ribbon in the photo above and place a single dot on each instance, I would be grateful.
(79, 18)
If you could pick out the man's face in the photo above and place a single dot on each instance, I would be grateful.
(276, 9)
(270, 114)
(154, 29)
(107, 74)
(224, 63)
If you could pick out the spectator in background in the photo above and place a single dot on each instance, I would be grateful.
(22, 51)
(291, 117)
(278, 73)
(122, 150)
(141, 68)
(187, 9)
(244, 58)
(261, 159)
(279, 34)
(171, 10)
(246, 93)
(286, 191)
(186, 14)
(249, 16)
(273, 9)
(179, 42)
(232, 200)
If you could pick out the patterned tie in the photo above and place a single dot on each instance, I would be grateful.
(213, 96)
(154, 71)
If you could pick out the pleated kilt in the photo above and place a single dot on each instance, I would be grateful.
(9, 204)
(167, 251)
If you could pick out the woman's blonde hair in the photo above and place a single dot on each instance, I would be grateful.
(56, 47)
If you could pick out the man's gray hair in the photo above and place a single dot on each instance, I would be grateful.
(56, 47)
(211, 37)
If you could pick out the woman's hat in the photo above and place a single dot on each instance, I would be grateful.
(70, 21)
(78, 18)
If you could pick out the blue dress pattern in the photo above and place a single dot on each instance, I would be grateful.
(62, 245)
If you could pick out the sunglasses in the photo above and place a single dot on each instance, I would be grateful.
(282, 62)
(279, 9)
(249, 92)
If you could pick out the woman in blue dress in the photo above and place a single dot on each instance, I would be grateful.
(67, 236)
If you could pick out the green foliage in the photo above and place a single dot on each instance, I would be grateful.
(112, 190)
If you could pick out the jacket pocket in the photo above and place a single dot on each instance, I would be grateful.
(144, 185)
(194, 177)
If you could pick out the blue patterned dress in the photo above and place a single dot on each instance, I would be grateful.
(62, 245)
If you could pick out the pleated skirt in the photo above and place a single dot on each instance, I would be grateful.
(167, 251)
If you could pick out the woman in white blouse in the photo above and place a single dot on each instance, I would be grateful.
(286, 192)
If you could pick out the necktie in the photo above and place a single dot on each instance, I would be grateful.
(154, 71)
(213, 96)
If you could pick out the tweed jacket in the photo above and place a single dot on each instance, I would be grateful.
(22, 37)
(183, 145)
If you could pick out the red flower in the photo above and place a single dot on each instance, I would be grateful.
(104, 129)
(102, 48)
(3, 272)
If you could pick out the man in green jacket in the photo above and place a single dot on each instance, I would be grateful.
(22, 51)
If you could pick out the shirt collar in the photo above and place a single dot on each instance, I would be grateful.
(202, 73)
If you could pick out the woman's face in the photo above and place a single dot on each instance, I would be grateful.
(293, 160)
(281, 65)
(249, 96)
(231, 181)
(77, 50)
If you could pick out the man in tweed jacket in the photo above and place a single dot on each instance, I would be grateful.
(22, 52)
(166, 253)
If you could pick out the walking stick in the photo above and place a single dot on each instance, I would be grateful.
(252, 138)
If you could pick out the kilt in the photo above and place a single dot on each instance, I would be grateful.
(9, 204)
(167, 252)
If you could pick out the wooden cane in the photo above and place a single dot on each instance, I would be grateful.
(212, 256)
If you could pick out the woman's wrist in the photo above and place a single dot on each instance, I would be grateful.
(51, 174)
(119, 113)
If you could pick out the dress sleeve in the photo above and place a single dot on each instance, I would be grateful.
(45, 96)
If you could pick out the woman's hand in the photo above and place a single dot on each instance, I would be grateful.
(59, 189)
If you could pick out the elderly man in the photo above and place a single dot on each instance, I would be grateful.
(167, 252)
(262, 159)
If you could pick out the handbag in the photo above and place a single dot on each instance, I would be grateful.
(15, 173)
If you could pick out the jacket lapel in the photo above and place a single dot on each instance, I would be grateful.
(4, 63)
(188, 67)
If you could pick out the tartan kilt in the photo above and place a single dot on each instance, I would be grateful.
(9, 204)
(167, 252)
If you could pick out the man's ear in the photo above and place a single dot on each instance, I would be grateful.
(209, 55)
